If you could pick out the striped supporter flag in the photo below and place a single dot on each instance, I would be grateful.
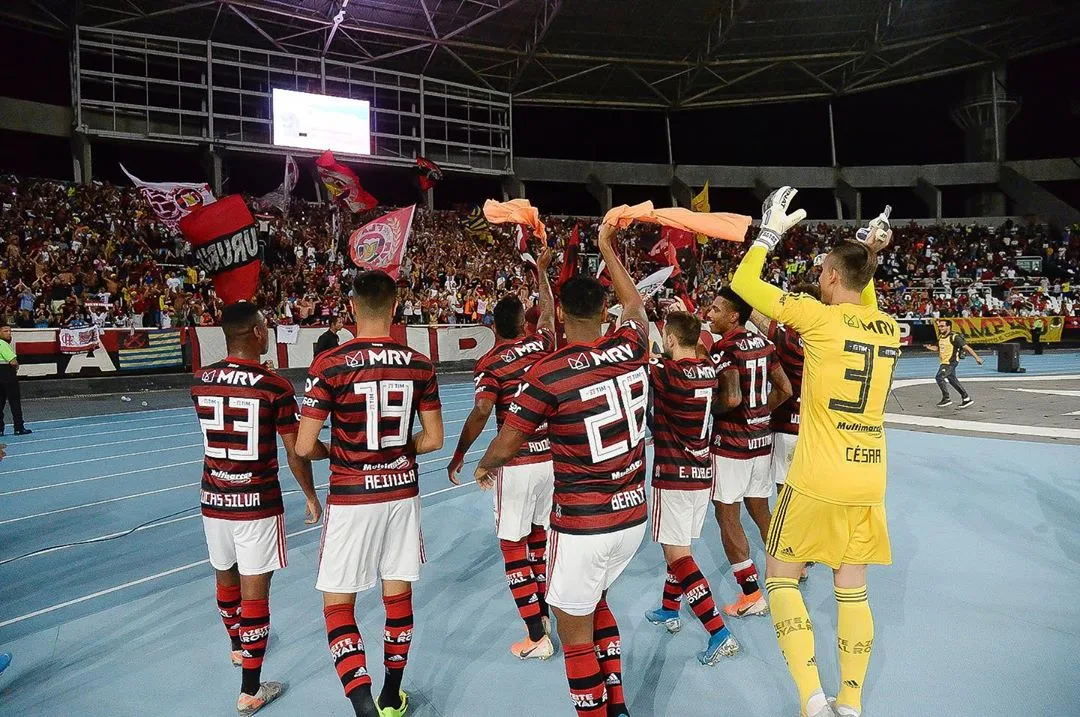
(150, 349)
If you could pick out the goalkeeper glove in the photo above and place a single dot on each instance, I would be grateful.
(774, 217)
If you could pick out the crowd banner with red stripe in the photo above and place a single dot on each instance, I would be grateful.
(77, 341)
(40, 354)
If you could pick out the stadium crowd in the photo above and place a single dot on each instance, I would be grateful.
(95, 254)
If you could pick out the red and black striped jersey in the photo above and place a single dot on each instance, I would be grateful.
(594, 398)
(682, 408)
(499, 377)
(789, 351)
(242, 406)
(744, 432)
(372, 390)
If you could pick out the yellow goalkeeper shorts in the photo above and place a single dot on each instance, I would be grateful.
(805, 529)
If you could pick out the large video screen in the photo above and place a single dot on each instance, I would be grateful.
(310, 121)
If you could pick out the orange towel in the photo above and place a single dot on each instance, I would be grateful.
(719, 225)
(517, 211)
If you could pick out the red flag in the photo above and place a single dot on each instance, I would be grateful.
(523, 248)
(226, 246)
(381, 244)
(343, 184)
(679, 238)
(430, 174)
(569, 267)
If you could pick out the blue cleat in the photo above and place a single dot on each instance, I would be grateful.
(722, 644)
(5, 660)
(668, 618)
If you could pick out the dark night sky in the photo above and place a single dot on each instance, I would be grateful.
(908, 124)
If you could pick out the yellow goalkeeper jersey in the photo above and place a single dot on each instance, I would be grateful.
(850, 353)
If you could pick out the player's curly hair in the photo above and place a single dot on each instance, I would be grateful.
(736, 301)
(582, 297)
(855, 262)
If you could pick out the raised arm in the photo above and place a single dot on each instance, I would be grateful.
(625, 289)
(775, 220)
(547, 298)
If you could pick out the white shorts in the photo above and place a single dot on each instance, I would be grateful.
(523, 499)
(582, 567)
(362, 544)
(677, 515)
(783, 450)
(738, 478)
(255, 547)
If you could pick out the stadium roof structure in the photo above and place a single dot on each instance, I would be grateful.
(656, 54)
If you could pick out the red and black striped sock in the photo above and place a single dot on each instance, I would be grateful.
(746, 575)
(228, 603)
(519, 577)
(347, 648)
(609, 655)
(396, 642)
(586, 681)
(672, 593)
(698, 594)
(537, 541)
(254, 633)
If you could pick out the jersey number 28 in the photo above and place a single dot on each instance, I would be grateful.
(622, 404)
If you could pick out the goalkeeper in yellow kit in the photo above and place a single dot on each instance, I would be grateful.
(832, 508)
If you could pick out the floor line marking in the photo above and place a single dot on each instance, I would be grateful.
(981, 426)
(100, 445)
(122, 430)
(164, 490)
(96, 478)
(173, 571)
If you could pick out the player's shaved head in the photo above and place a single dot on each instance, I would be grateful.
(509, 317)
(684, 327)
(582, 297)
(245, 330)
(374, 293)
(854, 262)
(239, 319)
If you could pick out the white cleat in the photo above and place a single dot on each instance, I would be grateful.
(843, 710)
(248, 705)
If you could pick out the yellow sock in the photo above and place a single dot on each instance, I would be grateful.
(795, 633)
(855, 639)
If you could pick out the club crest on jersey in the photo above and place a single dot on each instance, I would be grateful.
(851, 321)
(208, 376)
(355, 359)
(508, 356)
